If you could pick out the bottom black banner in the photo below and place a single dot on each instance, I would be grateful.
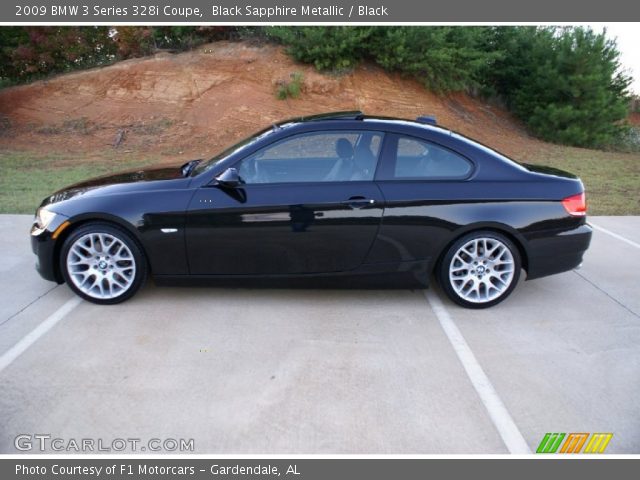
(314, 469)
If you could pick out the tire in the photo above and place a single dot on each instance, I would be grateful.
(473, 278)
(103, 263)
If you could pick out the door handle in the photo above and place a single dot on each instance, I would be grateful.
(359, 202)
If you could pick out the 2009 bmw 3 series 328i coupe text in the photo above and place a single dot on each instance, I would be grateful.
(332, 197)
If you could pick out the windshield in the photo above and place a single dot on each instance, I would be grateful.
(241, 145)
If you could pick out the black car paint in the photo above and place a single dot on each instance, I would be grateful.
(327, 229)
(289, 230)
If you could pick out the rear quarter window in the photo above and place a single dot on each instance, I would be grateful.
(414, 158)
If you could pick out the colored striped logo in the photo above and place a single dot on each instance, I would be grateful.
(573, 443)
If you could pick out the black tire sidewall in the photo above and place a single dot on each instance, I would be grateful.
(443, 268)
(121, 234)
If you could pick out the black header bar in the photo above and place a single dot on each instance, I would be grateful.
(314, 11)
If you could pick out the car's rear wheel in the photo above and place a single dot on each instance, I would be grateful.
(480, 269)
(103, 263)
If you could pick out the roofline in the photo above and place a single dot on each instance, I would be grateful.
(340, 115)
(357, 115)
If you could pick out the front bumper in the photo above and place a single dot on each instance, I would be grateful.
(46, 250)
(556, 252)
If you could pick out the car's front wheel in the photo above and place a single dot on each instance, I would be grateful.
(103, 263)
(480, 269)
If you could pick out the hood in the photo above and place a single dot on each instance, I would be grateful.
(133, 180)
(132, 176)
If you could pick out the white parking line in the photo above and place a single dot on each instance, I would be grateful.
(19, 348)
(499, 414)
(615, 235)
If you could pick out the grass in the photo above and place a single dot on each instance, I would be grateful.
(26, 178)
(80, 125)
(150, 128)
(84, 126)
(611, 179)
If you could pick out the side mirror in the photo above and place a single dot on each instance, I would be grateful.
(229, 178)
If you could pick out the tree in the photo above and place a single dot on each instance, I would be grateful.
(566, 84)
(442, 58)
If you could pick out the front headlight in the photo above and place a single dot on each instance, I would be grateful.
(44, 217)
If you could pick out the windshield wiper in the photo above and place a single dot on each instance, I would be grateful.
(188, 167)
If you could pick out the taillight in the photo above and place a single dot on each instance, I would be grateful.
(576, 205)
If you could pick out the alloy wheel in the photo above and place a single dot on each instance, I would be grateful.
(101, 265)
(481, 270)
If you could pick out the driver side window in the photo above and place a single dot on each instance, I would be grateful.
(332, 156)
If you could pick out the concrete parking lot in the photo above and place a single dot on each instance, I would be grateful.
(243, 370)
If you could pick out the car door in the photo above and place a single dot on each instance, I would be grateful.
(308, 204)
(424, 185)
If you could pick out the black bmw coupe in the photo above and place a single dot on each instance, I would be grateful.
(339, 196)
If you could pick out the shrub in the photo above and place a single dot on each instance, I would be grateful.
(291, 88)
(32, 52)
(186, 38)
(134, 41)
(327, 48)
(28, 53)
(442, 58)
